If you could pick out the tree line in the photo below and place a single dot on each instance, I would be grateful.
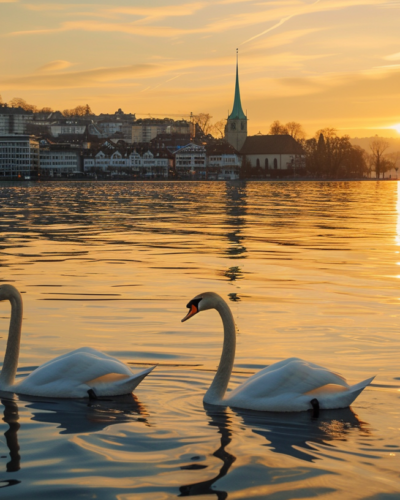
(17, 102)
(330, 156)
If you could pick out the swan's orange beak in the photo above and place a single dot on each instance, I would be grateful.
(192, 312)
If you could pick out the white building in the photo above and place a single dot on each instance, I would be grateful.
(19, 157)
(273, 154)
(146, 163)
(223, 162)
(68, 127)
(59, 161)
(191, 161)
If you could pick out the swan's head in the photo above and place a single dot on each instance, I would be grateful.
(202, 302)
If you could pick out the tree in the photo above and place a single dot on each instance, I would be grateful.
(46, 109)
(277, 128)
(327, 132)
(78, 111)
(295, 130)
(378, 146)
(17, 102)
(334, 157)
(203, 121)
(218, 129)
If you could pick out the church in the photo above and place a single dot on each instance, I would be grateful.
(272, 153)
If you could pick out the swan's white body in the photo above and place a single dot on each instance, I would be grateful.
(288, 385)
(71, 375)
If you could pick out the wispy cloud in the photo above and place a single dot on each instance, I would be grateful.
(77, 79)
(160, 12)
(108, 27)
(55, 66)
(146, 24)
(393, 57)
(304, 10)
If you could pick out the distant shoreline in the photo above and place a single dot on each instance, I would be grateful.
(300, 179)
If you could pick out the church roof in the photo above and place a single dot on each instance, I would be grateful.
(271, 144)
(237, 111)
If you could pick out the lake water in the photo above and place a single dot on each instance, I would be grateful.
(310, 269)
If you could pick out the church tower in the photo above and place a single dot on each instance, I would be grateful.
(236, 125)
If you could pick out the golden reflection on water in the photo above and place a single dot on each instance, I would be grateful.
(309, 271)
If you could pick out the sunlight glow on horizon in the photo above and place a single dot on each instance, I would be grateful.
(397, 128)
(322, 64)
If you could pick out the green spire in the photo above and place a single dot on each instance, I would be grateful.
(237, 111)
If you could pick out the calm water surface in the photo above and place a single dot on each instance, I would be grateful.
(310, 270)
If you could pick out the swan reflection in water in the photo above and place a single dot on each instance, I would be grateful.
(71, 416)
(291, 434)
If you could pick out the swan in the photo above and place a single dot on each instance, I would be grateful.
(287, 386)
(82, 373)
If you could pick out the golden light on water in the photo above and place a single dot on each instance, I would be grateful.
(398, 215)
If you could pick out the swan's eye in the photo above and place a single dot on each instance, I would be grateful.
(195, 303)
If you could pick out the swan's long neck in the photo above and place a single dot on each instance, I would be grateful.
(10, 363)
(220, 383)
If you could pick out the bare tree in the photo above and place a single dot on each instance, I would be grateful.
(378, 146)
(218, 129)
(17, 102)
(328, 133)
(203, 120)
(295, 130)
(78, 111)
(277, 128)
(46, 109)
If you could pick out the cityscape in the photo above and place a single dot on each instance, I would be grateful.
(43, 144)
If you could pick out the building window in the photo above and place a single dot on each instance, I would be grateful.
(275, 163)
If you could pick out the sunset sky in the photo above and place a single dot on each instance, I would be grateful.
(323, 63)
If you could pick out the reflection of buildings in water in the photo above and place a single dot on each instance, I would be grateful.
(236, 208)
(290, 434)
(219, 419)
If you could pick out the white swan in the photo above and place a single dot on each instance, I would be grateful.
(82, 373)
(290, 385)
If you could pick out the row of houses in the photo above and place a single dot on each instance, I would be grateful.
(23, 156)
(119, 125)
(192, 160)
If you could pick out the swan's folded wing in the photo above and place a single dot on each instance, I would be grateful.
(293, 376)
(68, 375)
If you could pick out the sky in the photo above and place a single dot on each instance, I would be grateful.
(322, 63)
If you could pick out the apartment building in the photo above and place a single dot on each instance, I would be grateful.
(59, 160)
(191, 161)
(19, 157)
(14, 120)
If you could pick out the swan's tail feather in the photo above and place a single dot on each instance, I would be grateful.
(344, 399)
(123, 386)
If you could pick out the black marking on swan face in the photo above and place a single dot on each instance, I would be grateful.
(194, 302)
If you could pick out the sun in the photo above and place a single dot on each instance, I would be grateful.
(397, 128)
